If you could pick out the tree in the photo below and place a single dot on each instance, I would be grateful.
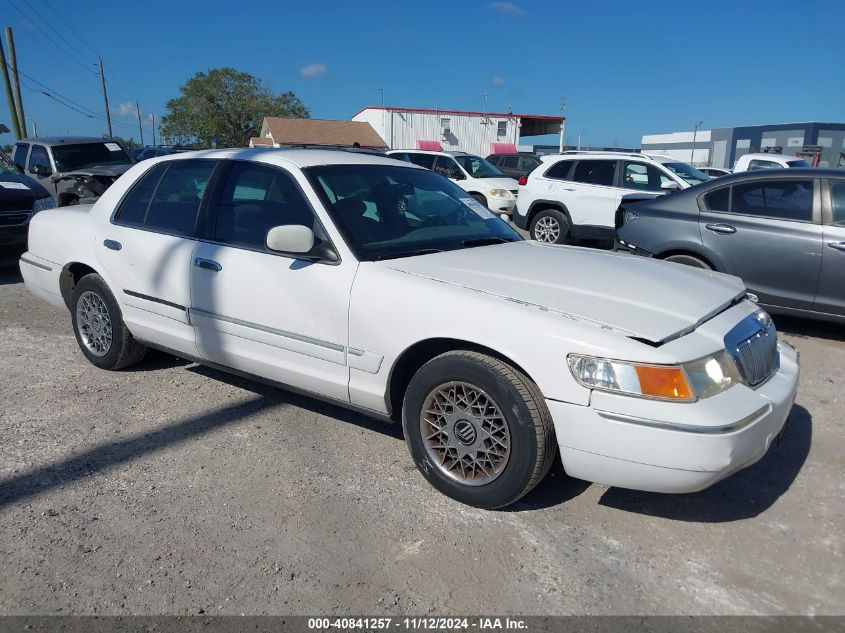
(127, 143)
(226, 105)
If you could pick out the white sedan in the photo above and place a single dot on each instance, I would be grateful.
(386, 288)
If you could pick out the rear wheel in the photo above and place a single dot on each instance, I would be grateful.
(99, 328)
(478, 429)
(689, 260)
(550, 226)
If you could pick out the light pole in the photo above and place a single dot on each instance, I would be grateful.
(562, 122)
(579, 138)
(694, 134)
(383, 115)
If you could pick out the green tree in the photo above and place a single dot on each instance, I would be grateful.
(127, 143)
(226, 105)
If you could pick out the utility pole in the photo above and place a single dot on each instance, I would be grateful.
(16, 82)
(140, 127)
(16, 128)
(34, 130)
(562, 123)
(105, 95)
(694, 134)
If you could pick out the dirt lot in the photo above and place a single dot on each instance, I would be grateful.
(177, 489)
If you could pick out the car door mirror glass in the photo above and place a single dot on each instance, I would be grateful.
(294, 239)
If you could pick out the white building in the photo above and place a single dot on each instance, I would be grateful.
(479, 133)
(679, 145)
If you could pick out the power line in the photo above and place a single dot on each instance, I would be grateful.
(70, 28)
(79, 53)
(46, 87)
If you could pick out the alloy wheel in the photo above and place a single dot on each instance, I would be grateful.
(93, 323)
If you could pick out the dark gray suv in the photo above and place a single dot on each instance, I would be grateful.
(781, 231)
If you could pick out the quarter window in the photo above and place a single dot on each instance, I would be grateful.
(560, 170)
(38, 157)
(837, 202)
(255, 199)
(595, 172)
(780, 199)
(527, 163)
(133, 211)
(717, 200)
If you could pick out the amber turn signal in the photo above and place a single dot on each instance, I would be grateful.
(664, 382)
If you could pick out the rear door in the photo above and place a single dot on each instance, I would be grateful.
(830, 296)
(593, 197)
(768, 232)
(146, 250)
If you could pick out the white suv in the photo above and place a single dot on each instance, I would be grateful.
(482, 180)
(577, 194)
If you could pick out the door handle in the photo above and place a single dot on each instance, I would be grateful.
(208, 264)
(721, 229)
(840, 246)
(112, 244)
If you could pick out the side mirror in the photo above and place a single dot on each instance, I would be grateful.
(296, 239)
(671, 185)
(41, 170)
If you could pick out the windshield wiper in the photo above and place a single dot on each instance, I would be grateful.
(397, 254)
(485, 241)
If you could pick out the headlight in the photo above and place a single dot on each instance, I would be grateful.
(42, 204)
(687, 382)
(500, 193)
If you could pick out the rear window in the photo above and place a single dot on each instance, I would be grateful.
(798, 163)
(779, 199)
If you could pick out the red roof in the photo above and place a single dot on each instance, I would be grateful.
(467, 113)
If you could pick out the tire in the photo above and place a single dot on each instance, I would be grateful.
(480, 198)
(689, 260)
(515, 414)
(550, 226)
(99, 328)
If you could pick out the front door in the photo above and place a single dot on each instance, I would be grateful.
(261, 312)
(146, 251)
(39, 167)
(768, 233)
(830, 296)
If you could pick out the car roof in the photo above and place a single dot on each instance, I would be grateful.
(770, 156)
(436, 152)
(779, 174)
(70, 140)
(298, 157)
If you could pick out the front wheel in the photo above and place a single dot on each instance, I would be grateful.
(550, 226)
(99, 328)
(478, 429)
(689, 260)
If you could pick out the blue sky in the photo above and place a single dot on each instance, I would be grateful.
(625, 68)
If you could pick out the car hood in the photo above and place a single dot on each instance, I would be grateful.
(635, 296)
(20, 192)
(499, 183)
(98, 170)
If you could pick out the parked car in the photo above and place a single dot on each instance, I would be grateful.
(752, 162)
(514, 165)
(73, 169)
(782, 232)
(20, 198)
(576, 194)
(473, 174)
(714, 172)
(373, 284)
(143, 153)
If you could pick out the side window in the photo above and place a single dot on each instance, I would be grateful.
(403, 157)
(526, 163)
(763, 164)
(176, 201)
(19, 157)
(717, 200)
(38, 157)
(780, 199)
(837, 201)
(509, 161)
(255, 199)
(643, 177)
(133, 211)
(560, 170)
(495, 160)
(595, 172)
(423, 160)
(446, 166)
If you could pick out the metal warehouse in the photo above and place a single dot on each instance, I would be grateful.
(822, 144)
(479, 133)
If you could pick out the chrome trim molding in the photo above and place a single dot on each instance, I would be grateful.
(138, 295)
(36, 264)
(688, 428)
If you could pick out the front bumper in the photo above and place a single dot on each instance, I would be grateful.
(520, 220)
(674, 447)
(501, 205)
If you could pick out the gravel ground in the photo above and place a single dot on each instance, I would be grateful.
(176, 489)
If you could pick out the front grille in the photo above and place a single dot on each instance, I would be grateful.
(758, 355)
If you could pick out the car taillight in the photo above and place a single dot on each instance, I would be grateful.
(523, 180)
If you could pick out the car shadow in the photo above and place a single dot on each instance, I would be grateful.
(743, 495)
(10, 274)
(555, 489)
(809, 328)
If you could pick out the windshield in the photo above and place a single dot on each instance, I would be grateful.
(688, 172)
(798, 163)
(386, 212)
(79, 156)
(477, 167)
(6, 165)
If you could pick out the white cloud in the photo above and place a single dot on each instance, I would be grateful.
(498, 81)
(127, 108)
(507, 8)
(313, 70)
